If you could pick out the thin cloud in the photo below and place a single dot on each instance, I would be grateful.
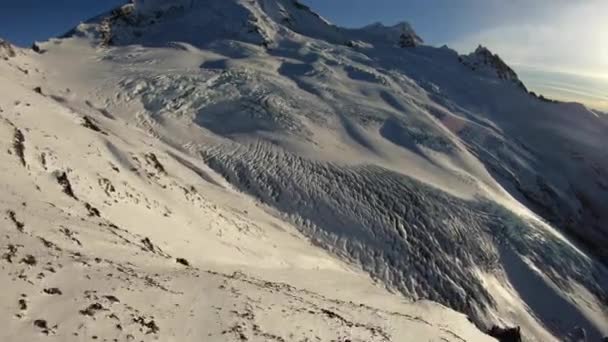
(563, 45)
(571, 38)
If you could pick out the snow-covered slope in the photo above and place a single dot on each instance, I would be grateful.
(246, 132)
(111, 234)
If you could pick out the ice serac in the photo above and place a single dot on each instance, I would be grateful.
(436, 174)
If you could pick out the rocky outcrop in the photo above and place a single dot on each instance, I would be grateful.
(484, 61)
(506, 334)
(407, 40)
(6, 50)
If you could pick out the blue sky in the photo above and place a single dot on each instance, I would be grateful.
(559, 47)
(23, 21)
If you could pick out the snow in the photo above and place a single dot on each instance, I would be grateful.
(301, 169)
(153, 204)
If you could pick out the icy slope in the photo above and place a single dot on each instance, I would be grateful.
(437, 174)
(111, 234)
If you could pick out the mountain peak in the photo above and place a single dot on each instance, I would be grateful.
(198, 22)
(485, 61)
(259, 22)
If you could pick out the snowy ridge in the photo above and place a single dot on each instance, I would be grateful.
(401, 32)
(441, 182)
(259, 22)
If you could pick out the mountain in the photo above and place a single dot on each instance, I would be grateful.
(249, 165)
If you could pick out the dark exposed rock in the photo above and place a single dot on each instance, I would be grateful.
(18, 224)
(333, 315)
(64, 181)
(152, 160)
(43, 160)
(151, 325)
(182, 261)
(148, 245)
(92, 309)
(407, 40)
(112, 299)
(90, 124)
(38, 90)
(19, 145)
(123, 13)
(301, 6)
(53, 291)
(43, 325)
(12, 252)
(22, 304)
(506, 334)
(6, 49)
(483, 57)
(107, 186)
(93, 212)
(49, 244)
(544, 99)
(70, 235)
(36, 48)
(29, 260)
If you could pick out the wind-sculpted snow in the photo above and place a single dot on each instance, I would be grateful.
(413, 237)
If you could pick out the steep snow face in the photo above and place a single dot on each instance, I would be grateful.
(440, 181)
